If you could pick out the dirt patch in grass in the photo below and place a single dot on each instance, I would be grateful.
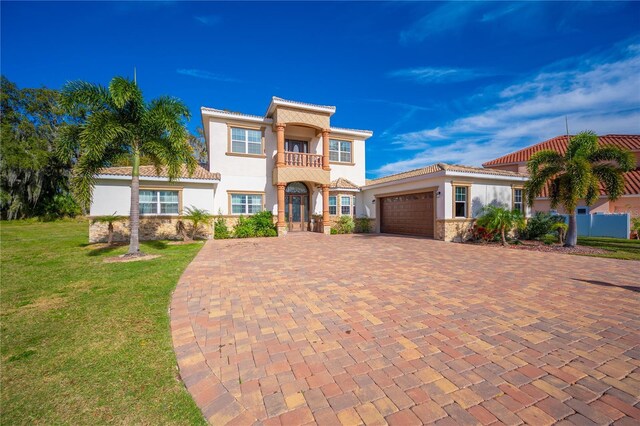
(125, 259)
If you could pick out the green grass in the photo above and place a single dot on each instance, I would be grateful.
(83, 341)
(617, 247)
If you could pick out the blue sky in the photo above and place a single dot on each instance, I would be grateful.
(459, 82)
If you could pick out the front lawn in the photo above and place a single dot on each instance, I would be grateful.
(617, 248)
(84, 341)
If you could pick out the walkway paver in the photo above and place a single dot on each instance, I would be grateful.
(378, 329)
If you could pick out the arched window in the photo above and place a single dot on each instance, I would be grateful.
(296, 188)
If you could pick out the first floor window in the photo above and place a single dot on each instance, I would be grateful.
(246, 203)
(460, 201)
(339, 151)
(246, 141)
(159, 202)
(333, 205)
(345, 206)
(517, 200)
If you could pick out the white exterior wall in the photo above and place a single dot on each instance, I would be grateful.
(356, 172)
(241, 173)
(114, 196)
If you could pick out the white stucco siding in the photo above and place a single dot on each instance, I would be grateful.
(111, 197)
(114, 196)
(484, 194)
(356, 172)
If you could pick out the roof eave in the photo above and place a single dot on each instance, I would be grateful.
(156, 179)
(283, 102)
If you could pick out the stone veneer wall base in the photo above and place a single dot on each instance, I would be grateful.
(151, 228)
(456, 230)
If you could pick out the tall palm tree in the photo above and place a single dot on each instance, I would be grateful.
(117, 123)
(578, 174)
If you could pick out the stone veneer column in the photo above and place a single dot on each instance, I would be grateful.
(281, 224)
(325, 210)
(325, 149)
(280, 132)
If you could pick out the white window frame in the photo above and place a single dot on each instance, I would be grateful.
(245, 141)
(465, 202)
(158, 203)
(246, 204)
(334, 206)
(349, 206)
(518, 205)
(340, 152)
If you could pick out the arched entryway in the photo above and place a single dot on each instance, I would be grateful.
(296, 206)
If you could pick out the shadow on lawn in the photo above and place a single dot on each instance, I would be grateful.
(102, 248)
(606, 284)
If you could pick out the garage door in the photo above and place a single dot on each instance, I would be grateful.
(409, 214)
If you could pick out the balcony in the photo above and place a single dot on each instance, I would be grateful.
(300, 159)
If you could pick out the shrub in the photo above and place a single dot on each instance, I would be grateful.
(220, 229)
(500, 220)
(344, 225)
(635, 226)
(539, 225)
(197, 217)
(61, 205)
(259, 225)
(334, 231)
(480, 233)
(363, 225)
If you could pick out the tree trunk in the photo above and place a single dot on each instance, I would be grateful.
(134, 213)
(504, 237)
(571, 239)
(195, 230)
(110, 230)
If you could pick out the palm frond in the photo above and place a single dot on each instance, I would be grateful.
(538, 180)
(623, 158)
(611, 178)
(544, 158)
(582, 145)
(125, 92)
(79, 96)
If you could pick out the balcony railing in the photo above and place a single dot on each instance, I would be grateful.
(299, 159)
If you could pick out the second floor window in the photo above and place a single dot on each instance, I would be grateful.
(339, 151)
(159, 202)
(246, 141)
(333, 205)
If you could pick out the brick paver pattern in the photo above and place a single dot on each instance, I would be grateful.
(376, 329)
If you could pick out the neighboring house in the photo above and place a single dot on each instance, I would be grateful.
(628, 203)
(293, 162)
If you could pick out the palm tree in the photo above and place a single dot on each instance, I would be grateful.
(500, 219)
(578, 174)
(109, 220)
(197, 217)
(117, 123)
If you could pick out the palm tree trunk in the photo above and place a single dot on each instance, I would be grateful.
(134, 213)
(504, 237)
(110, 229)
(572, 233)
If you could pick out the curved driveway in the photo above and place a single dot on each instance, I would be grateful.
(383, 329)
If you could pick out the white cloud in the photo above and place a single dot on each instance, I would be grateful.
(207, 75)
(603, 96)
(427, 75)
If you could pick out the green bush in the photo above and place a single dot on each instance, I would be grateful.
(259, 225)
(363, 225)
(539, 225)
(220, 229)
(334, 231)
(344, 225)
(549, 239)
(635, 226)
(61, 205)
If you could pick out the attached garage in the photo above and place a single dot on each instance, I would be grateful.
(408, 214)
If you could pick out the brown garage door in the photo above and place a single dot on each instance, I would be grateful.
(409, 214)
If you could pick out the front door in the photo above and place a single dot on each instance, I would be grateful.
(296, 146)
(296, 212)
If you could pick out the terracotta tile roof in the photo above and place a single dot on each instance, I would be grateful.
(342, 183)
(559, 143)
(150, 171)
(439, 167)
(631, 185)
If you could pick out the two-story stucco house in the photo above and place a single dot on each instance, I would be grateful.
(293, 162)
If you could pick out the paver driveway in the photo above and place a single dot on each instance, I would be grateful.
(374, 329)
